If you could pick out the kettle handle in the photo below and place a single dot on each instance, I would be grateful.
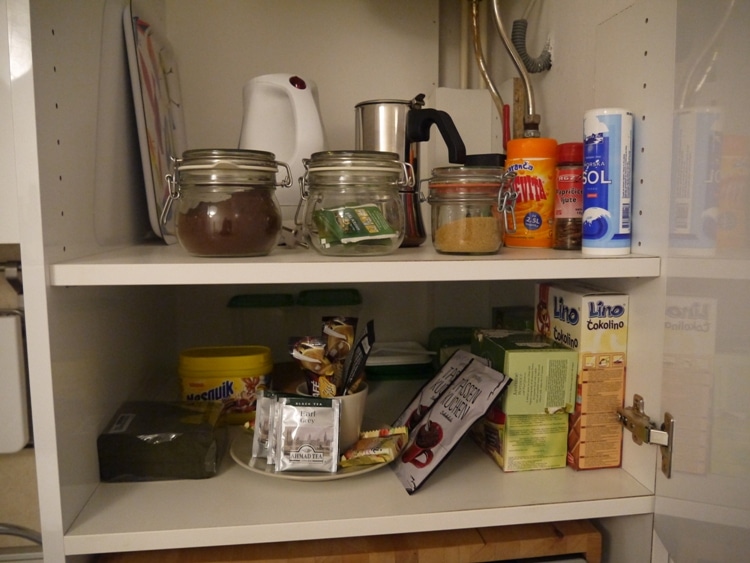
(308, 126)
(419, 122)
(281, 115)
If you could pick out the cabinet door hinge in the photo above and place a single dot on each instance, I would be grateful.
(645, 431)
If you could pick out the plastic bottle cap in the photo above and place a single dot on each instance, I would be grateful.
(570, 152)
(532, 148)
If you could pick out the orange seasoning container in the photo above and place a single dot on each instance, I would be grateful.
(534, 161)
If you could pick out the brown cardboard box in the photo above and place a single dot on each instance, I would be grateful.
(594, 323)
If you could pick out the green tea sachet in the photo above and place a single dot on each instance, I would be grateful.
(352, 224)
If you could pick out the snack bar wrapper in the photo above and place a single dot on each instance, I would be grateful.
(375, 446)
(466, 399)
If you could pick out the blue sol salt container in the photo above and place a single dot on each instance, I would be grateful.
(607, 181)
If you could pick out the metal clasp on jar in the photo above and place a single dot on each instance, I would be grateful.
(174, 194)
(409, 178)
(173, 179)
(298, 234)
(506, 201)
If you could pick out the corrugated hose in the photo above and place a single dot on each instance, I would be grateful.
(518, 37)
(21, 532)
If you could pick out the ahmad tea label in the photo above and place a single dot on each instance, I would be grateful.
(307, 434)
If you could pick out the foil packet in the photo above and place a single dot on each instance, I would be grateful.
(430, 391)
(466, 399)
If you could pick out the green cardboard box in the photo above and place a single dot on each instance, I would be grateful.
(523, 442)
(527, 428)
(543, 371)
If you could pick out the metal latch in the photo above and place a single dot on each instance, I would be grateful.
(646, 432)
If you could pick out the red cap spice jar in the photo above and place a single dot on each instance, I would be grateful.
(569, 197)
(226, 202)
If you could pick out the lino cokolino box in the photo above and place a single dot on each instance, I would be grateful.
(594, 322)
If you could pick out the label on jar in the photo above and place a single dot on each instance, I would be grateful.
(236, 394)
(534, 185)
(569, 192)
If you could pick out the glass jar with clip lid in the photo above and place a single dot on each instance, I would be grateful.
(226, 201)
(471, 209)
(352, 203)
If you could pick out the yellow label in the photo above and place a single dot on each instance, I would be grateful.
(236, 394)
(535, 205)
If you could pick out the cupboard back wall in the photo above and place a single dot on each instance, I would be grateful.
(401, 311)
(395, 56)
(124, 334)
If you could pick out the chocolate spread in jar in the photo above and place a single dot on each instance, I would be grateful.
(240, 223)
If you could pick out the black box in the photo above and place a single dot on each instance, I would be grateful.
(151, 440)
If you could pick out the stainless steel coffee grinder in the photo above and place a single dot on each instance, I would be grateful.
(399, 126)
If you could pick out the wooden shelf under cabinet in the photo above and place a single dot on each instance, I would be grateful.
(502, 543)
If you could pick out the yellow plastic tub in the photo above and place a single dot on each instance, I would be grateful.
(230, 375)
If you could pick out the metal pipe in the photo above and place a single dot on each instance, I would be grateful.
(531, 119)
(479, 55)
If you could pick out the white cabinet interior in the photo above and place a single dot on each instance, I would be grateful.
(108, 311)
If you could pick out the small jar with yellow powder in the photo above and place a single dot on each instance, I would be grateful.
(472, 208)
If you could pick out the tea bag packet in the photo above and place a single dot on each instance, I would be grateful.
(307, 434)
(260, 433)
(265, 410)
(338, 333)
(428, 394)
(271, 436)
(346, 225)
(466, 399)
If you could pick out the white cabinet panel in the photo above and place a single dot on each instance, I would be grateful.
(9, 207)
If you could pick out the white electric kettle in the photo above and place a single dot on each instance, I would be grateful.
(281, 115)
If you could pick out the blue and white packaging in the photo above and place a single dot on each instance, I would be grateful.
(694, 197)
(607, 181)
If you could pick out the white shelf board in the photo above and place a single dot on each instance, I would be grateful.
(242, 507)
(160, 264)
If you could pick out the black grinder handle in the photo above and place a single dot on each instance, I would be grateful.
(419, 122)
